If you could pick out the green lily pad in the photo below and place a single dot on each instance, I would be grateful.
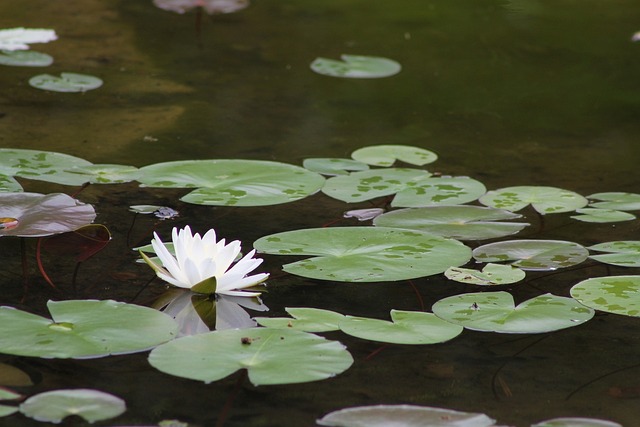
(25, 58)
(624, 253)
(9, 184)
(333, 166)
(406, 327)
(545, 200)
(461, 222)
(234, 182)
(602, 215)
(576, 422)
(535, 255)
(107, 174)
(386, 155)
(41, 165)
(365, 254)
(403, 416)
(6, 394)
(304, 319)
(613, 294)
(54, 406)
(491, 274)
(497, 312)
(271, 356)
(356, 67)
(83, 329)
(67, 82)
(412, 187)
(617, 201)
(6, 410)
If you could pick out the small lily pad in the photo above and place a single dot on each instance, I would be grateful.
(613, 294)
(545, 200)
(576, 422)
(54, 406)
(406, 327)
(25, 58)
(491, 274)
(304, 319)
(403, 416)
(616, 200)
(535, 255)
(333, 166)
(602, 215)
(356, 67)
(624, 253)
(386, 155)
(67, 82)
(83, 329)
(271, 356)
(461, 222)
(365, 254)
(497, 312)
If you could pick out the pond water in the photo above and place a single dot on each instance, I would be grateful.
(521, 92)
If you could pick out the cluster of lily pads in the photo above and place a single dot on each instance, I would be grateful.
(423, 237)
(15, 51)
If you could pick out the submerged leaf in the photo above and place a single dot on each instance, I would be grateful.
(54, 406)
(356, 67)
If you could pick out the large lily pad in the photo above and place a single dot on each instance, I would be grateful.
(616, 200)
(386, 155)
(234, 182)
(540, 255)
(613, 294)
(412, 187)
(403, 416)
(406, 327)
(356, 67)
(304, 319)
(41, 165)
(271, 356)
(54, 406)
(82, 329)
(545, 200)
(457, 222)
(497, 312)
(365, 254)
(624, 253)
(107, 174)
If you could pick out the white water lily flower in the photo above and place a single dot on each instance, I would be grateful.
(200, 258)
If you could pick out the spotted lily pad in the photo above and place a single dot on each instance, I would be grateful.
(406, 327)
(613, 294)
(25, 58)
(365, 254)
(624, 253)
(403, 416)
(386, 155)
(497, 312)
(616, 200)
(41, 165)
(333, 166)
(412, 187)
(107, 174)
(67, 82)
(545, 200)
(491, 274)
(54, 406)
(234, 182)
(271, 356)
(83, 329)
(602, 215)
(458, 222)
(356, 67)
(540, 255)
(304, 319)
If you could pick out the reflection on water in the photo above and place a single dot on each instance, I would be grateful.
(508, 92)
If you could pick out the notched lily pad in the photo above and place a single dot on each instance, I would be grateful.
(67, 82)
(386, 155)
(613, 294)
(107, 174)
(602, 215)
(535, 255)
(616, 200)
(334, 166)
(356, 67)
(54, 406)
(545, 200)
(41, 165)
(304, 319)
(497, 312)
(365, 254)
(623, 253)
(491, 274)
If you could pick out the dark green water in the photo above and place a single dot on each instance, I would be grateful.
(510, 93)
